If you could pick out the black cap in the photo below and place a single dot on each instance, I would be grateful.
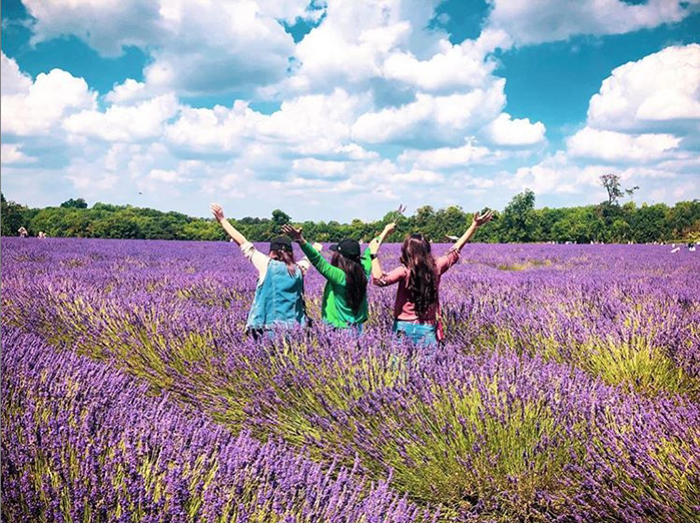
(347, 247)
(281, 243)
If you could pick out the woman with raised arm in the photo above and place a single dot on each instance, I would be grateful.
(344, 302)
(417, 306)
(279, 294)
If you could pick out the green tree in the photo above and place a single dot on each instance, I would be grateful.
(13, 216)
(79, 203)
(280, 218)
(518, 221)
(650, 224)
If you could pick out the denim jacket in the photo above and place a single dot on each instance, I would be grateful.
(279, 298)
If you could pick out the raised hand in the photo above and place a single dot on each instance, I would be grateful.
(293, 232)
(481, 219)
(389, 228)
(217, 211)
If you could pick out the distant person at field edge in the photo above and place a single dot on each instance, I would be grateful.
(22, 232)
(417, 306)
(344, 302)
(41, 235)
(279, 294)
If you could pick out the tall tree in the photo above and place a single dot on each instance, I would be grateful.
(13, 216)
(79, 203)
(611, 182)
(518, 221)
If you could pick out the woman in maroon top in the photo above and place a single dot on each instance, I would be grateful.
(417, 307)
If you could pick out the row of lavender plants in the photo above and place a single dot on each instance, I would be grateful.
(85, 442)
(568, 390)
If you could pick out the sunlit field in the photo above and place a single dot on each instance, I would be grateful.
(568, 389)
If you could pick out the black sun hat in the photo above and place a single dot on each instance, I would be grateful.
(349, 248)
(281, 243)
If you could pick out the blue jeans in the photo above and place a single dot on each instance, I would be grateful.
(419, 333)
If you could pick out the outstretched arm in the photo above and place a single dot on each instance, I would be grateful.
(235, 235)
(377, 242)
(374, 246)
(477, 221)
(327, 270)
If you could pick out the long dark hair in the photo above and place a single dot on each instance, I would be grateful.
(423, 276)
(355, 277)
(285, 257)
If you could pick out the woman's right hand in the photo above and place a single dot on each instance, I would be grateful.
(389, 228)
(217, 211)
(481, 219)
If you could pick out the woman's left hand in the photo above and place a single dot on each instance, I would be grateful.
(293, 232)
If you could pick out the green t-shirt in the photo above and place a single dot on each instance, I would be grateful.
(334, 308)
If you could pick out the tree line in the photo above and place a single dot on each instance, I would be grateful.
(519, 222)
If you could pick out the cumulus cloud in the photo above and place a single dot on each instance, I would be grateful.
(313, 168)
(507, 131)
(446, 157)
(13, 80)
(306, 125)
(31, 109)
(646, 112)
(431, 119)
(452, 67)
(144, 121)
(355, 38)
(548, 20)
(12, 153)
(614, 146)
(197, 46)
(660, 91)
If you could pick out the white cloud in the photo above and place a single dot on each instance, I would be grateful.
(13, 80)
(125, 123)
(128, 92)
(418, 176)
(549, 20)
(355, 38)
(452, 67)
(446, 157)
(553, 175)
(507, 131)
(11, 153)
(211, 130)
(313, 168)
(660, 91)
(646, 112)
(430, 118)
(161, 175)
(197, 46)
(305, 125)
(37, 108)
(613, 146)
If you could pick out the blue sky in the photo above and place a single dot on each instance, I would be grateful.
(342, 109)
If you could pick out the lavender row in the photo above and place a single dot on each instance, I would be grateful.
(82, 441)
(630, 314)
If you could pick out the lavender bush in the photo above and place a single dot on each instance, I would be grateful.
(568, 389)
(84, 442)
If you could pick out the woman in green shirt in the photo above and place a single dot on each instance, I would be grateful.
(344, 302)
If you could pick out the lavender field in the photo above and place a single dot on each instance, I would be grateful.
(568, 390)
